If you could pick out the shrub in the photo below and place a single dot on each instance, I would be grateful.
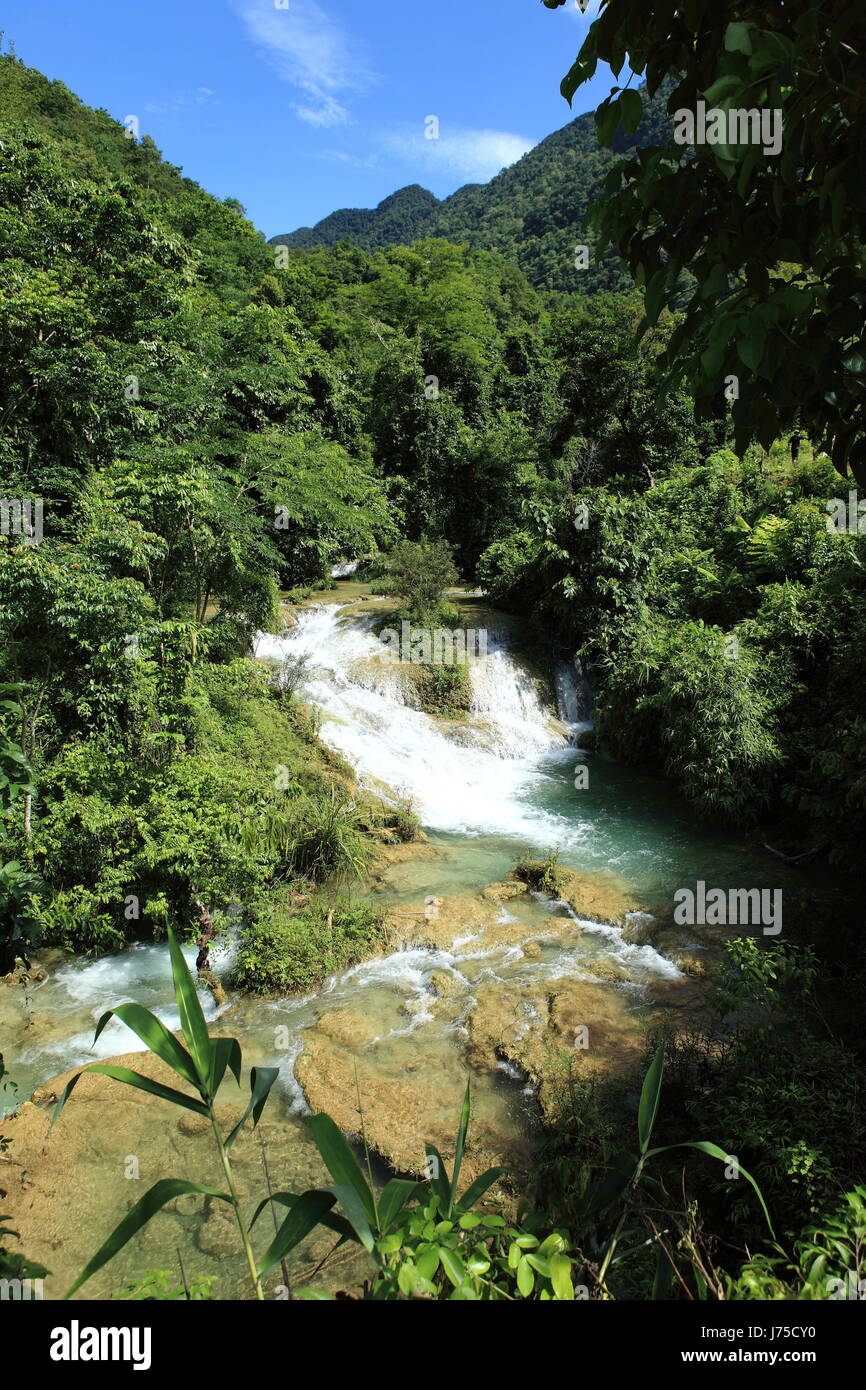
(288, 953)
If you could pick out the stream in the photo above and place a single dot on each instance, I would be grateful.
(403, 1028)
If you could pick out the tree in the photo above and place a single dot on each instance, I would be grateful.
(777, 305)
(418, 572)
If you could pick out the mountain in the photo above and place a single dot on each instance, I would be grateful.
(532, 212)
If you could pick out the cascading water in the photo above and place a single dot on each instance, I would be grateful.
(471, 776)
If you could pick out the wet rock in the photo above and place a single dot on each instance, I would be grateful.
(345, 1028)
(192, 1125)
(447, 985)
(219, 1237)
(503, 892)
(606, 968)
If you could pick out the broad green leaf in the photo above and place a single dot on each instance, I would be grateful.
(705, 1147)
(452, 1265)
(192, 1018)
(525, 1277)
(427, 1260)
(341, 1163)
(560, 1277)
(462, 1131)
(156, 1037)
(394, 1197)
(152, 1202)
(737, 38)
(303, 1216)
(631, 110)
(649, 1099)
(130, 1078)
(261, 1081)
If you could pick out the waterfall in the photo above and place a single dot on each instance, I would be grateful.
(469, 775)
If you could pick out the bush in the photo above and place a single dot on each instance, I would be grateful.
(418, 571)
(281, 954)
(542, 875)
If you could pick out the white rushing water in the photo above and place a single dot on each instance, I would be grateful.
(471, 776)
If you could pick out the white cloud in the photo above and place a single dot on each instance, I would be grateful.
(310, 51)
(474, 154)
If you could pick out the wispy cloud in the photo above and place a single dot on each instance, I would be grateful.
(475, 154)
(310, 51)
(181, 102)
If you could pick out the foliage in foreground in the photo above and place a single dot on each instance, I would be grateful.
(424, 1238)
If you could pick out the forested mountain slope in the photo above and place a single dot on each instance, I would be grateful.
(533, 212)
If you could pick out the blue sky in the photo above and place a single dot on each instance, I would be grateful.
(300, 110)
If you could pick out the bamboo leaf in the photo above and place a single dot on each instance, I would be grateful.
(332, 1219)
(356, 1214)
(304, 1214)
(462, 1131)
(439, 1182)
(340, 1161)
(649, 1099)
(192, 1018)
(261, 1081)
(154, 1034)
(395, 1195)
(130, 1078)
(224, 1052)
(477, 1189)
(705, 1147)
(152, 1202)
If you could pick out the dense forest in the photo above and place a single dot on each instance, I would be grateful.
(212, 423)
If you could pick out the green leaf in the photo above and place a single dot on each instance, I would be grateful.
(560, 1277)
(751, 349)
(705, 1147)
(156, 1036)
(440, 1184)
(341, 1163)
(152, 1202)
(737, 39)
(462, 1131)
(192, 1019)
(261, 1081)
(631, 110)
(130, 1078)
(304, 1215)
(607, 120)
(649, 1099)
(452, 1265)
(331, 1219)
(395, 1195)
(525, 1277)
(356, 1214)
(225, 1052)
